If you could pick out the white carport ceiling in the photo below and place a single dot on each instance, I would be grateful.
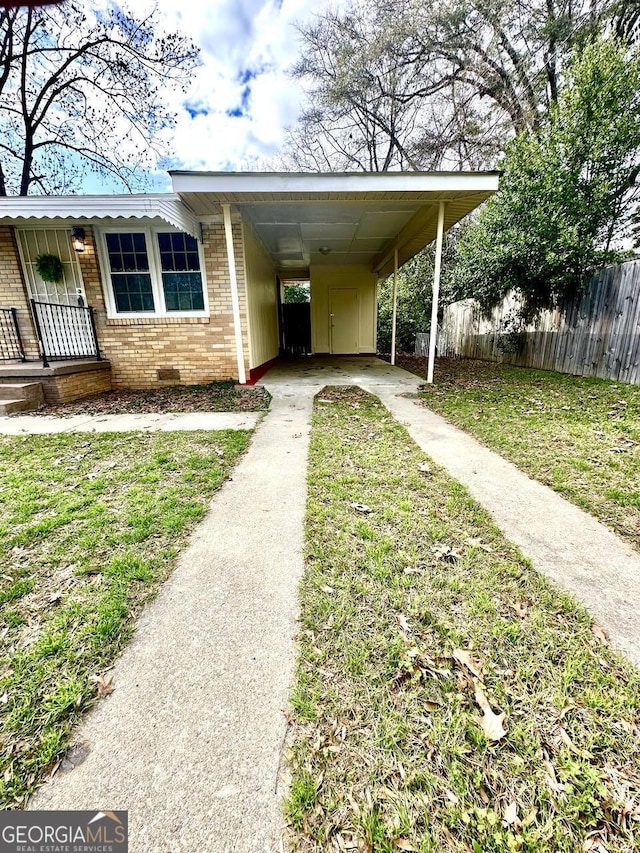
(354, 233)
(360, 218)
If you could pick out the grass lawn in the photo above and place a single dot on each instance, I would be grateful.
(420, 627)
(89, 529)
(580, 436)
(214, 397)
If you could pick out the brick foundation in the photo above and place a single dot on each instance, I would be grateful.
(74, 386)
(70, 384)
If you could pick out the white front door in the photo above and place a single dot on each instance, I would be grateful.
(64, 332)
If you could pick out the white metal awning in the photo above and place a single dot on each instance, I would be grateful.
(83, 209)
(339, 218)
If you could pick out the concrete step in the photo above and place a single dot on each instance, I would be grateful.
(10, 407)
(31, 391)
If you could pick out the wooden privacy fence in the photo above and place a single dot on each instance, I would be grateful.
(597, 335)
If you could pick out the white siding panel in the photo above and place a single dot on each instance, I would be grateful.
(262, 300)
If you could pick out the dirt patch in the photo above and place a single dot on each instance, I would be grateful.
(463, 372)
(214, 397)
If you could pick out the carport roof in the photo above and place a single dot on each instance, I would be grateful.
(333, 218)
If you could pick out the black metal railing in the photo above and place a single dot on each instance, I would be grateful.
(11, 348)
(65, 331)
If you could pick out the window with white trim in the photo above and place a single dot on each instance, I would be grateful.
(153, 272)
(181, 278)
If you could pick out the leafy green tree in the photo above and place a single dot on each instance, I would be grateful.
(567, 193)
(414, 305)
(415, 279)
(296, 293)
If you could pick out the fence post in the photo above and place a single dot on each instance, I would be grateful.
(36, 321)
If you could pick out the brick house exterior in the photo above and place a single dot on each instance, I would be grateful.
(189, 350)
(140, 352)
(186, 287)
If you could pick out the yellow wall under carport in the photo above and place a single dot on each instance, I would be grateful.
(326, 277)
(262, 300)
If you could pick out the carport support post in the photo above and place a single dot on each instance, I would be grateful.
(395, 306)
(235, 301)
(435, 293)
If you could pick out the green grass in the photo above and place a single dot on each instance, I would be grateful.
(90, 526)
(580, 436)
(388, 752)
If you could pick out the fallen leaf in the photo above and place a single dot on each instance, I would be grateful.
(464, 658)
(519, 608)
(492, 724)
(403, 844)
(326, 588)
(4, 698)
(552, 780)
(600, 634)
(104, 683)
(402, 622)
(361, 507)
(510, 816)
(431, 706)
(594, 844)
(446, 552)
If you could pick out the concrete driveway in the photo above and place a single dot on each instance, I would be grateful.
(297, 373)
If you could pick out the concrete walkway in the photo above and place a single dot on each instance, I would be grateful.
(175, 421)
(190, 741)
(564, 543)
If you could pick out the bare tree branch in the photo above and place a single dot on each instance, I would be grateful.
(84, 90)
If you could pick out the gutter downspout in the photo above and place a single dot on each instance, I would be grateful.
(435, 293)
(235, 300)
(395, 305)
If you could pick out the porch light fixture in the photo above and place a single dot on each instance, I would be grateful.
(77, 239)
(324, 250)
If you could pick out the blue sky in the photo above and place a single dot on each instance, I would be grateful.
(241, 99)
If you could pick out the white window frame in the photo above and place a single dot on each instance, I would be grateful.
(155, 271)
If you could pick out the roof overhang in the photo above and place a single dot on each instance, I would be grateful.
(81, 209)
(359, 217)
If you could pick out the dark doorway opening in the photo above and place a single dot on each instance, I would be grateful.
(295, 315)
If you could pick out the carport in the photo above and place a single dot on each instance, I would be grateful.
(342, 232)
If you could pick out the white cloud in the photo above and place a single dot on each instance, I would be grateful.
(241, 98)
